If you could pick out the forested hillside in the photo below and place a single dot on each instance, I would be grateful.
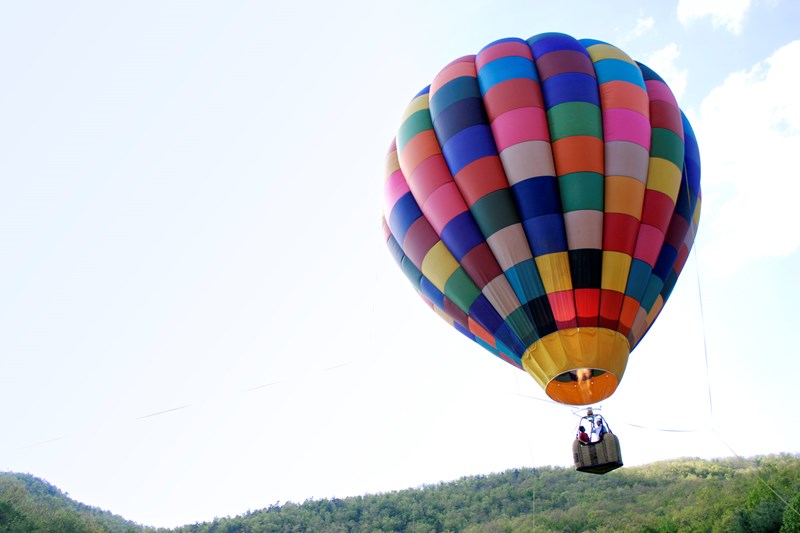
(32, 505)
(730, 495)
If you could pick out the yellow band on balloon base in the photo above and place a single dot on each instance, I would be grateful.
(588, 362)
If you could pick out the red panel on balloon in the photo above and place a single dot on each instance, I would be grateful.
(610, 308)
(587, 304)
(563, 305)
(619, 233)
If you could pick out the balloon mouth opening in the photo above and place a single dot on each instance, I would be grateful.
(582, 386)
(578, 366)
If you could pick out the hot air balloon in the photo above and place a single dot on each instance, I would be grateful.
(542, 197)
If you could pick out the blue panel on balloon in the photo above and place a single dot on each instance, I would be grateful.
(453, 91)
(432, 293)
(482, 312)
(570, 87)
(506, 68)
(467, 146)
(525, 280)
(546, 234)
(537, 196)
(616, 69)
(552, 42)
(666, 260)
(404, 213)
(510, 338)
(461, 235)
(459, 116)
(637, 279)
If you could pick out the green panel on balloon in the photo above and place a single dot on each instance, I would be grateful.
(411, 271)
(581, 190)
(654, 286)
(667, 145)
(461, 290)
(495, 211)
(414, 124)
(574, 118)
(520, 323)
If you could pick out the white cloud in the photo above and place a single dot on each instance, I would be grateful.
(749, 134)
(663, 62)
(643, 24)
(728, 14)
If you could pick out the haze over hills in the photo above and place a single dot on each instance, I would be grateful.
(725, 495)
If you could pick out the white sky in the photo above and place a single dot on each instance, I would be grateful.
(190, 200)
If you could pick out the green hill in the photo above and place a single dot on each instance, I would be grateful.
(29, 504)
(728, 495)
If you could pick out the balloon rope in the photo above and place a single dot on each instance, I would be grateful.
(533, 488)
(703, 329)
(530, 450)
(761, 479)
(693, 229)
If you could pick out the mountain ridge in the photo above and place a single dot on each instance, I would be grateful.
(756, 494)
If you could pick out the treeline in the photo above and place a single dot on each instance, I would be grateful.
(727, 496)
(32, 505)
(761, 494)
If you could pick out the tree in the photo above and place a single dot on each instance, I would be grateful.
(11, 519)
(791, 516)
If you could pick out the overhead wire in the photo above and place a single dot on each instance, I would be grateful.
(167, 410)
(667, 430)
(205, 399)
(40, 443)
(533, 488)
(693, 228)
(639, 426)
(759, 476)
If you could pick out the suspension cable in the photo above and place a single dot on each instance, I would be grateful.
(693, 229)
(760, 478)
(533, 488)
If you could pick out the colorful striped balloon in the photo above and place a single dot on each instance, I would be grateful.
(542, 197)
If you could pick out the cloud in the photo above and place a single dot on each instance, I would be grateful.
(642, 26)
(663, 62)
(749, 134)
(728, 14)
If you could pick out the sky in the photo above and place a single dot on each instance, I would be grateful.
(198, 313)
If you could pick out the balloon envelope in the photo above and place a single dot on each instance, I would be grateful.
(542, 196)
